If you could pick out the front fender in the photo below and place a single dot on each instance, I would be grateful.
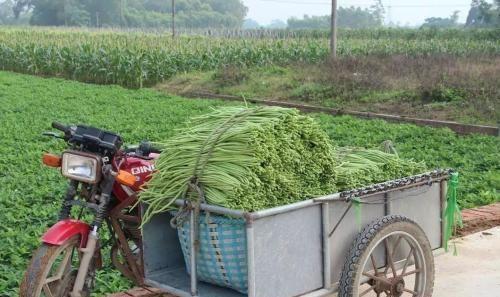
(64, 230)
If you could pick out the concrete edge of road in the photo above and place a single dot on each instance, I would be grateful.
(475, 220)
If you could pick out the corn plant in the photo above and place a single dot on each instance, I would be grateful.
(136, 59)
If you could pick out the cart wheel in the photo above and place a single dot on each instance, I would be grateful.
(391, 257)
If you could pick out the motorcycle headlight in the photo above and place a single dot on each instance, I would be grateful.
(84, 168)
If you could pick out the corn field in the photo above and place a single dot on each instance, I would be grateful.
(136, 59)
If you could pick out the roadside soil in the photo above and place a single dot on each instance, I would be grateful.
(464, 90)
(479, 219)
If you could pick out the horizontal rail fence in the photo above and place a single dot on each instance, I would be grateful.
(463, 129)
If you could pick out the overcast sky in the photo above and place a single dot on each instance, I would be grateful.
(412, 12)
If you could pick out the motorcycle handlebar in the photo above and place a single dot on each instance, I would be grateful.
(61, 127)
(155, 151)
(144, 149)
(147, 148)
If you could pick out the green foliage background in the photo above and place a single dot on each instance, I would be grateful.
(129, 13)
(30, 194)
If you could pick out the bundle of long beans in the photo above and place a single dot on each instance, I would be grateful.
(243, 158)
(361, 167)
(256, 158)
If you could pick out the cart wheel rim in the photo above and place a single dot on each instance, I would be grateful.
(399, 276)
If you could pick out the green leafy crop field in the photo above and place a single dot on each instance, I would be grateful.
(30, 194)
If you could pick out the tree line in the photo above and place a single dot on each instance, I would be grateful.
(481, 14)
(347, 17)
(126, 13)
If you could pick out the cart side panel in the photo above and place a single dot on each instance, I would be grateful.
(349, 228)
(288, 253)
(162, 250)
(164, 265)
(422, 205)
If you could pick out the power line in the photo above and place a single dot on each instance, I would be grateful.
(297, 2)
(430, 6)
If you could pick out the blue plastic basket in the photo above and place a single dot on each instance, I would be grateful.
(222, 256)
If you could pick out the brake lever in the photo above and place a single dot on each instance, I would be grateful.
(53, 134)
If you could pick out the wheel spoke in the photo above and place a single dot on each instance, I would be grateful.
(375, 270)
(47, 291)
(63, 267)
(386, 270)
(413, 293)
(397, 244)
(410, 273)
(389, 258)
(407, 260)
(52, 279)
(377, 278)
(73, 254)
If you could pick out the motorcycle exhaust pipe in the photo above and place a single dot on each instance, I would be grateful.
(88, 254)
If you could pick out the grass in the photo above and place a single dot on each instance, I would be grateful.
(30, 194)
(436, 87)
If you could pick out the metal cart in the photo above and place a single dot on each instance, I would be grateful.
(369, 240)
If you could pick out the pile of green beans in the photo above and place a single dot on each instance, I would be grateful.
(243, 158)
(361, 167)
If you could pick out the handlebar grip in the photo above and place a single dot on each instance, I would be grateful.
(147, 148)
(59, 126)
(155, 150)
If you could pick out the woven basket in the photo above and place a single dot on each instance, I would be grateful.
(222, 256)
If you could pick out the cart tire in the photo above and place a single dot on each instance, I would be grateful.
(366, 242)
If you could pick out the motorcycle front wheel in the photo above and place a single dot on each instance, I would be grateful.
(52, 271)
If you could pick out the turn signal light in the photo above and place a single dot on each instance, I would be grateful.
(51, 160)
(125, 178)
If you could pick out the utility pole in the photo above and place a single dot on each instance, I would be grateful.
(173, 18)
(121, 13)
(333, 39)
(65, 9)
(389, 15)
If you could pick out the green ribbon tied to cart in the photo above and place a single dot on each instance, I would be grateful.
(452, 214)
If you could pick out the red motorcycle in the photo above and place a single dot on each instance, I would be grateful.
(104, 182)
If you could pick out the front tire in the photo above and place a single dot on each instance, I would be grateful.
(52, 271)
(391, 257)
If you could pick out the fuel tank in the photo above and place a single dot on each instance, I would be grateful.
(141, 169)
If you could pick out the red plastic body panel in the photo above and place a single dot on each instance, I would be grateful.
(64, 230)
(141, 169)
